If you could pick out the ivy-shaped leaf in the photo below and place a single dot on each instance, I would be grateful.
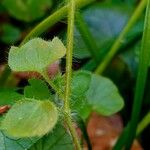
(36, 55)
(59, 139)
(91, 92)
(29, 118)
(37, 89)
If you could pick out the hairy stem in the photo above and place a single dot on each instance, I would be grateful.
(70, 31)
(72, 130)
(50, 21)
(117, 44)
(54, 87)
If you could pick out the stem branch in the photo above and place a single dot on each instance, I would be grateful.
(53, 19)
(54, 87)
(117, 44)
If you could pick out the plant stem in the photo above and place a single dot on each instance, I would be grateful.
(87, 36)
(70, 31)
(54, 87)
(72, 130)
(117, 44)
(53, 19)
(143, 124)
(141, 79)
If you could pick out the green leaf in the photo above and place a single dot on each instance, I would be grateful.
(10, 34)
(29, 118)
(27, 10)
(37, 89)
(59, 139)
(7, 143)
(103, 96)
(91, 92)
(9, 96)
(36, 55)
(80, 85)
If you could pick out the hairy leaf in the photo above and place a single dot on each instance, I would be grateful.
(29, 118)
(35, 55)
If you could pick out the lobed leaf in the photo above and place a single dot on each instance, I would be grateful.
(29, 118)
(37, 89)
(35, 55)
(103, 96)
(91, 92)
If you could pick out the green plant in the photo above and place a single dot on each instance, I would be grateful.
(44, 115)
(36, 55)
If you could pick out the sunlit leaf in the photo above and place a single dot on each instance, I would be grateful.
(35, 55)
(29, 118)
